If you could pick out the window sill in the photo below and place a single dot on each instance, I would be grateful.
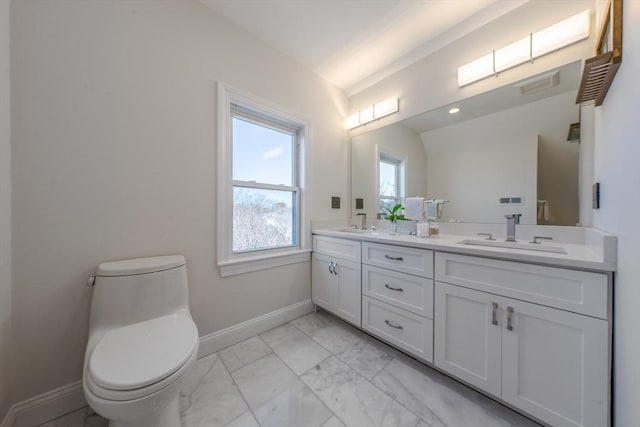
(256, 263)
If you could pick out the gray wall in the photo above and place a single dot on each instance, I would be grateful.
(114, 154)
(617, 153)
(5, 211)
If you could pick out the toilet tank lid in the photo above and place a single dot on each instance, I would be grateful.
(128, 267)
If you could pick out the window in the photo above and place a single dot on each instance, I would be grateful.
(261, 182)
(390, 180)
(265, 191)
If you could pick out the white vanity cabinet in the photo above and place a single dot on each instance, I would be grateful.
(549, 357)
(397, 296)
(336, 277)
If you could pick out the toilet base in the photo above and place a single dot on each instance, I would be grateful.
(168, 416)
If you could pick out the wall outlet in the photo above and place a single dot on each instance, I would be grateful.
(359, 203)
(335, 202)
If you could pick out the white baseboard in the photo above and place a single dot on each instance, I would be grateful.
(46, 407)
(66, 399)
(216, 341)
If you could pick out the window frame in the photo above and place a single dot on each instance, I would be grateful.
(230, 262)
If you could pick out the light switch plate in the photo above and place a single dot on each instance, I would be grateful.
(335, 202)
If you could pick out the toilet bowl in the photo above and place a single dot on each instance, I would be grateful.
(142, 341)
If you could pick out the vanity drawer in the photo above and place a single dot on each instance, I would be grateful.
(399, 258)
(577, 291)
(403, 290)
(341, 248)
(406, 330)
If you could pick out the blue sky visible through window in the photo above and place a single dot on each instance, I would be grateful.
(261, 154)
(263, 218)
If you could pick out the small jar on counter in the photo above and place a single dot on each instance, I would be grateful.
(422, 229)
(434, 229)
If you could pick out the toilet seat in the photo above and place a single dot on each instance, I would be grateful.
(136, 360)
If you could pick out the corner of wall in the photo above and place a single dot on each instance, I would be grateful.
(5, 210)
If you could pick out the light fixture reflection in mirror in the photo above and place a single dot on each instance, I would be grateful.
(509, 144)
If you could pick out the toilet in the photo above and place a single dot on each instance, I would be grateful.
(142, 341)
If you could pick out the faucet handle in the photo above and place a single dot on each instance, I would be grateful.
(514, 216)
(490, 236)
(536, 238)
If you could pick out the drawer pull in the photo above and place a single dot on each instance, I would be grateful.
(393, 325)
(509, 317)
(391, 288)
(494, 309)
(394, 258)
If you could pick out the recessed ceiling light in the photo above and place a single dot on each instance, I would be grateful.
(454, 110)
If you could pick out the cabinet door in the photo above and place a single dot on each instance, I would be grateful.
(324, 283)
(555, 365)
(467, 339)
(349, 300)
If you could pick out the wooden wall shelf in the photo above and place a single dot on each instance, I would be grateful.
(597, 76)
(600, 70)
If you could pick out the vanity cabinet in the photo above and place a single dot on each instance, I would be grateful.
(536, 337)
(397, 296)
(336, 277)
(543, 359)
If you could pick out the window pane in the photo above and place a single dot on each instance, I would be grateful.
(263, 219)
(262, 154)
(388, 203)
(388, 179)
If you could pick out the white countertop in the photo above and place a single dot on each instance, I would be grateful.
(587, 256)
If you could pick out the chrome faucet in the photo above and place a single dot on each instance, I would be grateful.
(512, 220)
(364, 220)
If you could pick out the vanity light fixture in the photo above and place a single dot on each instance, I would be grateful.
(454, 110)
(374, 112)
(527, 49)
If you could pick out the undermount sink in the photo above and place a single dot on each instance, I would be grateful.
(350, 230)
(515, 245)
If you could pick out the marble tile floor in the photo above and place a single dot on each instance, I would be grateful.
(318, 371)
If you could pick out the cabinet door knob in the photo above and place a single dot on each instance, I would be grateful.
(509, 318)
(335, 268)
(494, 309)
(394, 258)
(331, 268)
(393, 325)
(392, 288)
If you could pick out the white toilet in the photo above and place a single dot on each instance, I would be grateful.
(142, 341)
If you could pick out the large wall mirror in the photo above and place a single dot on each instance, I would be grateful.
(505, 151)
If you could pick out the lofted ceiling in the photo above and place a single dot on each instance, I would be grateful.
(355, 43)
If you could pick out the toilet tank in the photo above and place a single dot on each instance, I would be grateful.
(134, 290)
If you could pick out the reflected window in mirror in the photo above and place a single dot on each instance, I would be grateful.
(391, 181)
